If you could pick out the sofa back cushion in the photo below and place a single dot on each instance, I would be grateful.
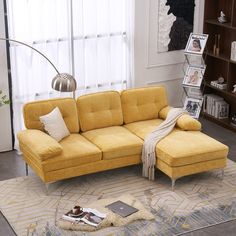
(99, 110)
(67, 106)
(142, 103)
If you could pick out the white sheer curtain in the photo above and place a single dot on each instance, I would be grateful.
(91, 39)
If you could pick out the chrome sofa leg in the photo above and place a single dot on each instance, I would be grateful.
(51, 186)
(47, 188)
(173, 184)
(26, 169)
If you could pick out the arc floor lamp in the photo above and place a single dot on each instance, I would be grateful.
(62, 82)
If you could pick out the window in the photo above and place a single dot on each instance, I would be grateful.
(87, 38)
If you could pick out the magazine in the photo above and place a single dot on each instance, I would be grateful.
(84, 216)
(193, 106)
(193, 76)
(196, 43)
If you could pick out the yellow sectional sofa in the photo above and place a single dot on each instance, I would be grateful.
(107, 131)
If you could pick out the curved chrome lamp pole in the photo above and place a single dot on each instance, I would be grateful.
(62, 82)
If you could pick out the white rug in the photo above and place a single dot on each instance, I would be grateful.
(198, 201)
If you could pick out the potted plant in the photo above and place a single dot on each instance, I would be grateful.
(3, 99)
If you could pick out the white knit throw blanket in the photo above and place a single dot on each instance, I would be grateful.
(150, 142)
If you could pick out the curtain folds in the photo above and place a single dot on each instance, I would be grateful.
(91, 39)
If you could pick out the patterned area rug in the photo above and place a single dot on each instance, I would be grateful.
(198, 201)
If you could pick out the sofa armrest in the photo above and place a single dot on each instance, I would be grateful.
(39, 143)
(185, 122)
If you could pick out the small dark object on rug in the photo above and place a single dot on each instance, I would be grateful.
(121, 208)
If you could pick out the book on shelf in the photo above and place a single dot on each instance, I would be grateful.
(222, 110)
(215, 105)
(87, 216)
(208, 103)
(233, 51)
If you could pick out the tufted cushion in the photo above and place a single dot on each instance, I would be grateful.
(142, 103)
(99, 110)
(33, 110)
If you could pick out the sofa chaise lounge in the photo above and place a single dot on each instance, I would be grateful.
(107, 130)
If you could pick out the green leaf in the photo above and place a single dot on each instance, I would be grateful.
(3, 99)
(6, 102)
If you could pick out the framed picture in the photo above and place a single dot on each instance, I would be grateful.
(193, 76)
(175, 23)
(193, 106)
(196, 43)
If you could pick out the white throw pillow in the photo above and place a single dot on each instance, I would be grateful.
(54, 124)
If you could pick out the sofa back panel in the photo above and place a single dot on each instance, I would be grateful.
(33, 110)
(142, 103)
(99, 110)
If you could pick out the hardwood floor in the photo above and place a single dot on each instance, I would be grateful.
(12, 165)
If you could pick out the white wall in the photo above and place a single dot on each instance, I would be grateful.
(151, 67)
(5, 119)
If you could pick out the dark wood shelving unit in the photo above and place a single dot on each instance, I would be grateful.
(222, 122)
(224, 91)
(216, 22)
(220, 56)
(220, 65)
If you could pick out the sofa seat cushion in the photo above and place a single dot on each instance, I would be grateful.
(115, 141)
(143, 128)
(181, 147)
(188, 147)
(77, 150)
